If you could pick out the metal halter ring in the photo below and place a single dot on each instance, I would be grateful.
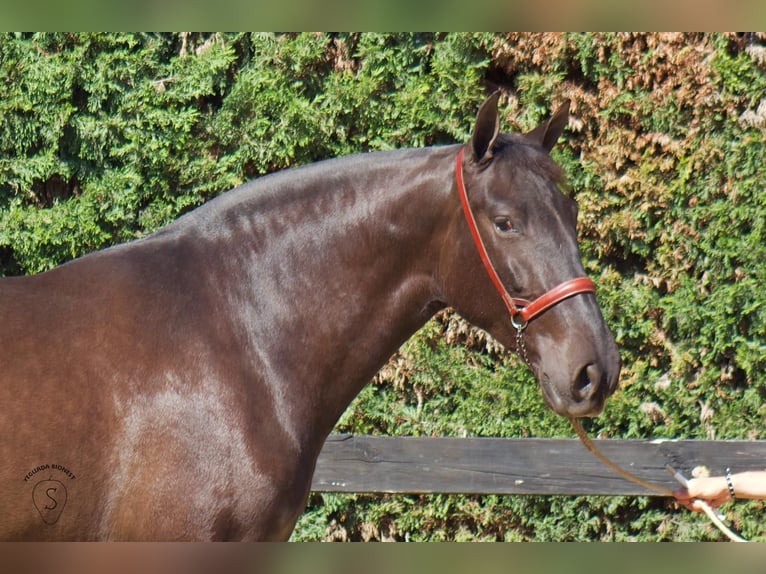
(519, 322)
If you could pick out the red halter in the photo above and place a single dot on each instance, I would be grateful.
(521, 310)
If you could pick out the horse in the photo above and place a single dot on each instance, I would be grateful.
(181, 386)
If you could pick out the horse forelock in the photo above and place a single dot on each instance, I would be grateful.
(523, 154)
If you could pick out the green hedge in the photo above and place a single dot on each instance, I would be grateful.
(106, 137)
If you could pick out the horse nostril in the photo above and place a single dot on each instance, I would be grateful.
(587, 382)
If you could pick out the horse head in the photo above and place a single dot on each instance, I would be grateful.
(519, 231)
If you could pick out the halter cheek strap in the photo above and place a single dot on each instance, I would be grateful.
(521, 310)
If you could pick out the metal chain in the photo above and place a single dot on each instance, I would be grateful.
(521, 347)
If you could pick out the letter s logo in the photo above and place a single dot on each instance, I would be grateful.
(48, 494)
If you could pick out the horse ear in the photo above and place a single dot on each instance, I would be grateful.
(548, 133)
(485, 129)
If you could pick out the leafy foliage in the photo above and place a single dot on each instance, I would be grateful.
(106, 137)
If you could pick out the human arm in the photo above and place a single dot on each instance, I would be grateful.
(715, 490)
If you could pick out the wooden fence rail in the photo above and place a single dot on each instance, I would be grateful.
(517, 466)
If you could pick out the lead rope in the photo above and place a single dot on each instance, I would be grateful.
(711, 514)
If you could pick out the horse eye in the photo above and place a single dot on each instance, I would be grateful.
(504, 225)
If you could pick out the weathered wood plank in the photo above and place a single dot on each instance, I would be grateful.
(517, 466)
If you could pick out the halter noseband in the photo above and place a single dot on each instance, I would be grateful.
(521, 310)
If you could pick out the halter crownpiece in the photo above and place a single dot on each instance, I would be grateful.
(521, 310)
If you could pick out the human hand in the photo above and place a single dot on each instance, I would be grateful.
(712, 489)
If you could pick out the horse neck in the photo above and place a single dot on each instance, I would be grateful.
(341, 267)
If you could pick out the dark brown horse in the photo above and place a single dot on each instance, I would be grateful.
(180, 387)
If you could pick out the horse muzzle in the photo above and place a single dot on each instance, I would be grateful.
(581, 392)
